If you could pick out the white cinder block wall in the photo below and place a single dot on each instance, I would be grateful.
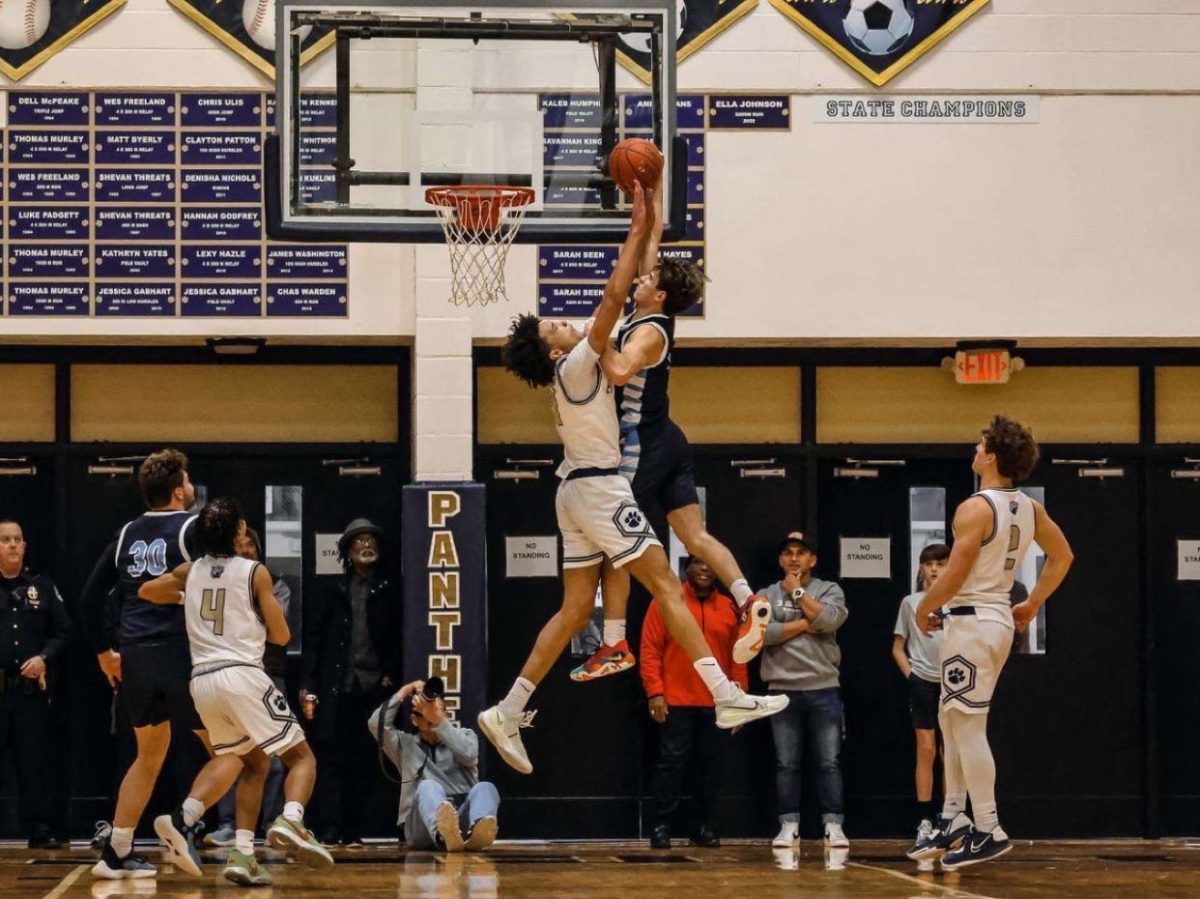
(1080, 226)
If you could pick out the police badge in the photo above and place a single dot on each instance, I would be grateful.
(33, 31)
(247, 27)
(32, 598)
(879, 38)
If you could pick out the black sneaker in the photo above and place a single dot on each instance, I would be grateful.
(101, 836)
(704, 837)
(180, 841)
(944, 837)
(112, 867)
(977, 847)
(660, 838)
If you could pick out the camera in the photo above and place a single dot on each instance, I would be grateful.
(434, 687)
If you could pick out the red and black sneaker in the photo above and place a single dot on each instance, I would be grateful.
(605, 661)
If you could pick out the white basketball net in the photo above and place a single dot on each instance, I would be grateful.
(479, 248)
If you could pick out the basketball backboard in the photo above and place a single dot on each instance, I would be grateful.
(523, 93)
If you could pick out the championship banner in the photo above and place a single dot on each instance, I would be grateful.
(697, 23)
(32, 31)
(247, 27)
(444, 558)
(879, 38)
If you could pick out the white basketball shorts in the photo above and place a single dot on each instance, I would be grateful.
(242, 709)
(599, 517)
(974, 651)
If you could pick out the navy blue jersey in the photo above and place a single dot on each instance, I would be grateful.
(643, 401)
(149, 546)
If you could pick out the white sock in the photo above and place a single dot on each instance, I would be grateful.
(193, 810)
(512, 705)
(294, 811)
(614, 631)
(244, 842)
(741, 591)
(121, 841)
(714, 678)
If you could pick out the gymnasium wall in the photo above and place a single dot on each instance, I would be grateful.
(1077, 227)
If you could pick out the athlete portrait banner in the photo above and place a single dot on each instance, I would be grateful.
(879, 38)
(444, 560)
(32, 31)
(247, 27)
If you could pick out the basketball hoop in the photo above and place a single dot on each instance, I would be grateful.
(480, 222)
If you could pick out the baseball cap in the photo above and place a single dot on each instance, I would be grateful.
(807, 539)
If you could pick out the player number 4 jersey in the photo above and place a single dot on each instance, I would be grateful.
(991, 578)
(223, 624)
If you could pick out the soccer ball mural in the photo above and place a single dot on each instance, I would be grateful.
(878, 27)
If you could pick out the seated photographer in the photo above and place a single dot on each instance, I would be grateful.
(443, 804)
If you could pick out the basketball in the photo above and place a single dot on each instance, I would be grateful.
(635, 159)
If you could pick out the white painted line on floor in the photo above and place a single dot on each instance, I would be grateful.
(924, 884)
(66, 882)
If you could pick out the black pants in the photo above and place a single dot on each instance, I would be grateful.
(346, 767)
(688, 734)
(24, 720)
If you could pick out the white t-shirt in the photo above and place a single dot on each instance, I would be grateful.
(924, 652)
(585, 412)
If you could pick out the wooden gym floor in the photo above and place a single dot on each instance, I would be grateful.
(1165, 868)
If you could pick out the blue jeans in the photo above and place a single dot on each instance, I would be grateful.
(815, 715)
(421, 828)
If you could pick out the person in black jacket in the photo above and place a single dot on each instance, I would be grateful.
(350, 662)
(33, 631)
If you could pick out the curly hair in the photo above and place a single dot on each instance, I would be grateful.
(161, 473)
(526, 354)
(218, 525)
(1014, 447)
(682, 282)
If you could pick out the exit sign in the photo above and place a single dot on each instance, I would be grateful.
(983, 366)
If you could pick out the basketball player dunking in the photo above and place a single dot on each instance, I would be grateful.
(992, 532)
(596, 511)
(231, 611)
(655, 454)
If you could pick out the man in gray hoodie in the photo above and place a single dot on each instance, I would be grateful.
(443, 803)
(800, 660)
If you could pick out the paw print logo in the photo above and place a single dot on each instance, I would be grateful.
(280, 703)
(956, 676)
(633, 519)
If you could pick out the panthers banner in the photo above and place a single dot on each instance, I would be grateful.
(31, 31)
(444, 559)
(697, 22)
(247, 27)
(879, 38)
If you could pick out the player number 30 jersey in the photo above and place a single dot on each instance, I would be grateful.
(224, 627)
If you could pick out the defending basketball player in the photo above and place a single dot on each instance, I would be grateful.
(596, 510)
(655, 454)
(231, 612)
(992, 532)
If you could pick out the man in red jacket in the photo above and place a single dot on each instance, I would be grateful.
(681, 703)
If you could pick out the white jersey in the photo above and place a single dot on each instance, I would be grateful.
(223, 624)
(585, 412)
(990, 581)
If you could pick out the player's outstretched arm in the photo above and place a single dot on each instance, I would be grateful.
(272, 613)
(166, 589)
(643, 349)
(1050, 538)
(616, 291)
(655, 228)
(972, 525)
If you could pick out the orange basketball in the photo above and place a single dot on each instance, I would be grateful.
(635, 159)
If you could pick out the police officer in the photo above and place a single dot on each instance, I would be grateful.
(33, 631)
